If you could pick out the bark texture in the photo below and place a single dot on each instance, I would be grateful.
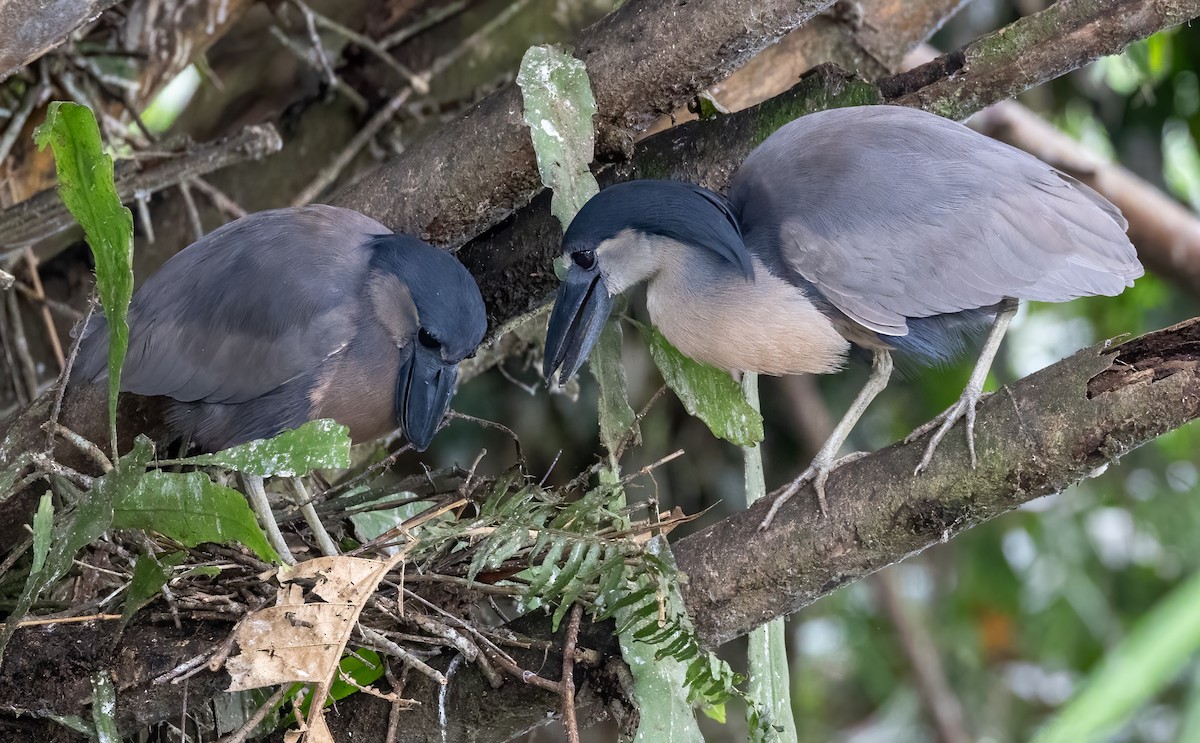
(1036, 436)
(644, 60)
(1037, 48)
(32, 29)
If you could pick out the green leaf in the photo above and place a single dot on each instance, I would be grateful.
(616, 416)
(767, 656)
(664, 711)
(706, 392)
(191, 509)
(80, 527)
(576, 587)
(104, 708)
(149, 575)
(43, 523)
(319, 444)
(714, 712)
(364, 666)
(371, 523)
(1150, 657)
(85, 183)
(558, 109)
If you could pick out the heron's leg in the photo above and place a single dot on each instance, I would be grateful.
(324, 542)
(262, 507)
(965, 407)
(824, 463)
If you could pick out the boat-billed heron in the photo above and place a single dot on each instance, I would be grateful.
(880, 226)
(290, 315)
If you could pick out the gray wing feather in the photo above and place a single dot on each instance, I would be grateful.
(894, 213)
(251, 306)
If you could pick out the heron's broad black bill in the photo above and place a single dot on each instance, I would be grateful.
(423, 394)
(580, 311)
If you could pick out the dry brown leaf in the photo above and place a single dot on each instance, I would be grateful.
(303, 641)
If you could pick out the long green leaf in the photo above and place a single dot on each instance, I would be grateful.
(191, 509)
(559, 107)
(320, 444)
(664, 711)
(85, 183)
(104, 708)
(767, 657)
(616, 415)
(43, 526)
(706, 392)
(1150, 657)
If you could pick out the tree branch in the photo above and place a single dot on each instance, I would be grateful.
(44, 214)
(1036, 436)
(33, 28)
(464, 190)
(1031, 51)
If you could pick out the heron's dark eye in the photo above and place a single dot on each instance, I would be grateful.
(585, 259)
(426, 338)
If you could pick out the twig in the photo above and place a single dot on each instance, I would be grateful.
(330, 172)
(16, 124)
(87, 447)
(56, 410)
(242, 733)
(570, 723)
(944, 709)
(318, 47)
(189, 203)
(485, 423)
(18, 550)
(474, 40)
(228, 206)
(378, 642)
(410, 524)
(28, 371)
(399, 705)
(324, 542)
(51, 467)
(253, 487)
(627, 439)
(433, 18)
(526, 677)
(141, 200)
(44, 214)
(35, 282)
(651, 467)
(62, 309)
(419, 83)
(67, 620)
(352, 95)
(367, 473)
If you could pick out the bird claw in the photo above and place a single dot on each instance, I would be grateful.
(817, 473)
(964, 407)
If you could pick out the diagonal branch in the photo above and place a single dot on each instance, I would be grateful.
(449, 193)
(1035, 437)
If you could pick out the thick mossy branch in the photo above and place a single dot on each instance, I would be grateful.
(1031, 51)
(464, 190)
(1036, 436)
